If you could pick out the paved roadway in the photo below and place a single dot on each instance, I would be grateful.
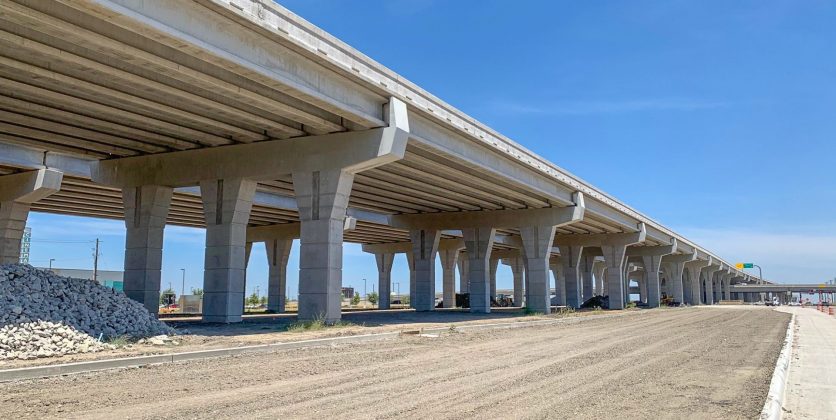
(811, 387)
(672, 363)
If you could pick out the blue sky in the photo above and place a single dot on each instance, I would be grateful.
(715, 118)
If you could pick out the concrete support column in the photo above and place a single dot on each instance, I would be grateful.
(587, 273)
(694, 268)
(598, 268)
(479, 243)
(410, 263)
(708, 273)
(727, 288)
(614, 256)
(642, 280)
(571, 255)
(322, 197)
(146, 210)
(494, 265)
(675, 281)
(556, 268)
(517, 270)
(226, 209)
(13, 217)
(278, 251)
(652, 265)
(537, 246)
(709, 290)
(464, 269)
(384, 278)
(424, 249)
(449, 262)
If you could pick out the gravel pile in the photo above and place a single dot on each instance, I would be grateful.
(31, 340)
(42, 314)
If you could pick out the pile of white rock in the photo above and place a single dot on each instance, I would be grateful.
(31, 340)
(42, 315)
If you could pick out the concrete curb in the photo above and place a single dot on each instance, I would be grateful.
(773, 408)
(36, 372)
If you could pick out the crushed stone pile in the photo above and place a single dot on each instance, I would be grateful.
(31, 340)
(43, 314)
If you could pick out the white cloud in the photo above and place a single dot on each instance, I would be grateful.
(608, 107)
(784, 257)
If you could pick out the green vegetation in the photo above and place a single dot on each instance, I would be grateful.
(253, 300)
(119, 341)
(561, 312)
(315, 325)
(372, 298)
(356, 299)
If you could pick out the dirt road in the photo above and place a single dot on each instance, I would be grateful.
(697, 363)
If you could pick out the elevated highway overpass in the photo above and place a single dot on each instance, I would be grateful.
(242, 118)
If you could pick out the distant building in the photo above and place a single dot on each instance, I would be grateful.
(112, 279)
(348, 292)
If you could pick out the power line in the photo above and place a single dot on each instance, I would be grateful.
(61, 242)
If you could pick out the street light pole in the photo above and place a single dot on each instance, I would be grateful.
(50, 263)
(364, 288)
(183, 287)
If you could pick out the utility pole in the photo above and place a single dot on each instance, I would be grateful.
(364, 289)
(96, 262)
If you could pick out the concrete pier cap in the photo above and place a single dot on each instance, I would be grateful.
(322, 169)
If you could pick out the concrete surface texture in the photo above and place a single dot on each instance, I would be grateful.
(811, 386)
(691, 363)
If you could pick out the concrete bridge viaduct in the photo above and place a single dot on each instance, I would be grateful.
(242, 118)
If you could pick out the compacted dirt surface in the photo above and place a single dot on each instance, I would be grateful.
(681, 363)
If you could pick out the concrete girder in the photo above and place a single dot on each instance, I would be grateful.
(604, 239)
(288, 231)
(243, 65)
(17, 193)
(445, 244)
(352, 152)
(555, 216)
